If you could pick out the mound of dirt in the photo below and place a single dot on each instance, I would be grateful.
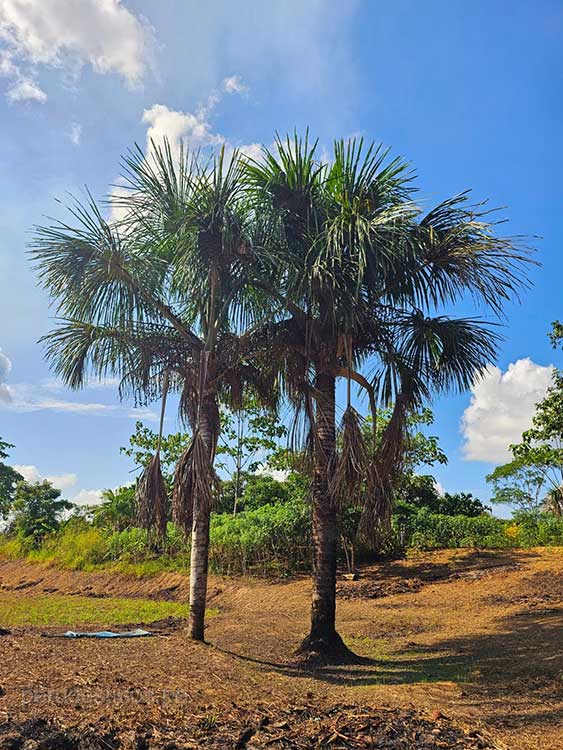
(38, 734)
(301, 728)
(377, 582)
(538, 590)
(374, 589)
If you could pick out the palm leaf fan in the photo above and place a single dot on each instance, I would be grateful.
(151, 496)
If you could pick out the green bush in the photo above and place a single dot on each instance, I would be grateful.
(272, 538)
(537, 529)
(426, 530)
(74, 547)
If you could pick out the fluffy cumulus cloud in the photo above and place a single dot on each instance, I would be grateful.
(87, 497)
(25, 89)
(5, 368)
(32, 474)
(189, 128)
(63, 482)
(501, 408)
(194, 130)
(69, 34)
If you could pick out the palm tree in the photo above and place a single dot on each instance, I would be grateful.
(160, 298)
(360, 273)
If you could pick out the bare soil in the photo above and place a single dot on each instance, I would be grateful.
(463, 650)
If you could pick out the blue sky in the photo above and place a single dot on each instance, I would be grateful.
(470, 93)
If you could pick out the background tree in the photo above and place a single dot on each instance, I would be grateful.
(521, 483)
(249, 436)
(8, 479)
(533, 480)
(143, 444)
(37, 510)
(117, 511)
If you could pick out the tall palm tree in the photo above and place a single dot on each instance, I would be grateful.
(360, 275)
(161, 295)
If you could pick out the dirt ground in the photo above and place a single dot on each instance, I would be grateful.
(463, 650)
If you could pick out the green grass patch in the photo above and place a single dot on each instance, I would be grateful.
(71, 611)
(408, 667)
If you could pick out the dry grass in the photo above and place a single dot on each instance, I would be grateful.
(477, 639)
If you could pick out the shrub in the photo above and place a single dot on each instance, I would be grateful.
(74, 547)
(272, 538)
(426, 530)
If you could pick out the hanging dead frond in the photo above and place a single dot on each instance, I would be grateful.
(196, 484)
(345, 483)
(152, 499)
(183, 492)
(151, 496)
(382, 473)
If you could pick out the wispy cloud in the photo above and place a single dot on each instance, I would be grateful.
(5, 369)
(234, 85)
(75, 133)
(24, 397)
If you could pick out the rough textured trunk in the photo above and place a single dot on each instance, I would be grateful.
(323, 641)
(200, 533)
(198, 574)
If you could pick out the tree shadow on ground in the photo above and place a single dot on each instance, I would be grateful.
(474, 561)
(517, 669)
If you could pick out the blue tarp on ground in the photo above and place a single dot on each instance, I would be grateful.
(137, 633)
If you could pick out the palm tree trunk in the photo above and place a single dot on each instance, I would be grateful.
(323, 641)
(198, 574)
(199, 560)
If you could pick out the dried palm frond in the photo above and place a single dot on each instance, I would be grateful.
(351, 461)
(151, 496)
(196, 484)
(182, 494)
(382, 473)
(152, 499)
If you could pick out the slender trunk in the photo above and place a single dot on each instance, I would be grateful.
(198, 574)
(323, 640)
(200, 533)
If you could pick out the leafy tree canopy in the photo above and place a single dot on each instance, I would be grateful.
(8, 479)
(117, 512)
(37, 510)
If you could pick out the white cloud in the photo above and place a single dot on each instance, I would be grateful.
(87, 497)
(194, 129)
(62, 482)
(191, 129)
(234, 85)
(501, 408)
(68, 34)
(280, 475)
(32, 474)
(5, 369)
(25, 89)
(23, 397)
(75, 133)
